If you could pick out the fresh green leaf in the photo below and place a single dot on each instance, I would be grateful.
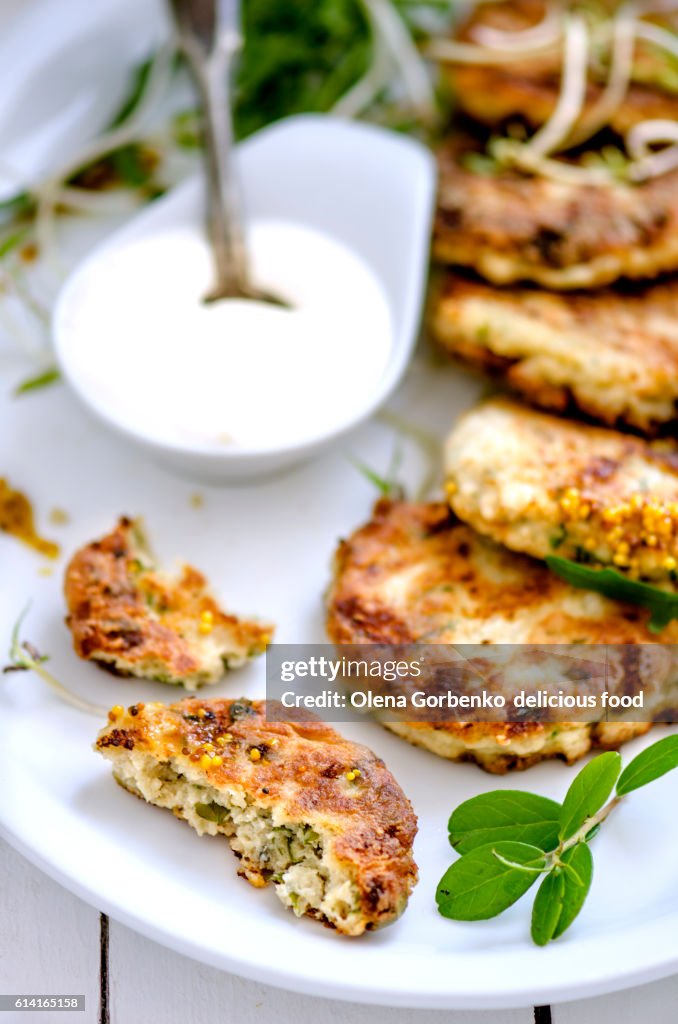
(130, 167)
(547, 908)
(388, 488)
(212, 812)
(562, 894)
(479, 885)
(304, 57)
(593, 833)
(10, 242)
(577, 884)
(481, 164)
(298, 57)
(558, 537)
(588, 792)
(651, 764)
(186, 129)
(505, 814)
(662, 604)
(134, 95)
(382, 485)
(16, 207)
(41, 380)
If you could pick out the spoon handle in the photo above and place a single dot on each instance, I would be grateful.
(209, 37)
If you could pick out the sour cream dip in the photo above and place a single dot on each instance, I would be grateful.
(151, 355)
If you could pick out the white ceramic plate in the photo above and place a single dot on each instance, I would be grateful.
(267, 549)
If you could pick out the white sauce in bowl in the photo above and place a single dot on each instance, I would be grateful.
(139, 342)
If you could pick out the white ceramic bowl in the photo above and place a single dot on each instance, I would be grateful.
(369, 188)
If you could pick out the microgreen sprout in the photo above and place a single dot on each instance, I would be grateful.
(25, 657)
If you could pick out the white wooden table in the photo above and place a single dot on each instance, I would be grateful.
(52, 942)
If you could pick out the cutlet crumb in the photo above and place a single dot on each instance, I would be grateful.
(135, 620)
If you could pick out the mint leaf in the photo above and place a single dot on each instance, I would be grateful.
(662, 604)
(479, 885)
(547, 908)
(577, 884)
(651, 764)
(505, 814)
(589, 791)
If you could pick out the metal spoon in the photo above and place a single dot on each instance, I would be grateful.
(209, 37)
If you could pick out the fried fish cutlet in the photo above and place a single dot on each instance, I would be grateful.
(544, 485)
(528, 88)
(512, 227)
(611, 353)
(320, 818)
(127, 616)
(414, 574)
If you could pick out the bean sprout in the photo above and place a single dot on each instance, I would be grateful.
(640, 142)
(454, 52)
(130, 131)
(660, 37)
(393, 44)
(511, 153)
(546, 32)
(570, 123)
(364, 92)
(572, 91)
(621, 68)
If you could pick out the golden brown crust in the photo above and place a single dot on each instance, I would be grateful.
(516, 746)
(301, 774)
(126, 615)
(544, 485)
(511, 227)
(611, 353)
(414, 574)
(494, 95)
(528, 88)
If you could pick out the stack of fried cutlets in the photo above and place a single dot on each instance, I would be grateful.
(568, 292)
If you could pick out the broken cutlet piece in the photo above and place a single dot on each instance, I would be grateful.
(319, 817)
(129, 617)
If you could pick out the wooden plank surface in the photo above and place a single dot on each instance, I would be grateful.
(149, 983)
(648, 1004)
(50, 942)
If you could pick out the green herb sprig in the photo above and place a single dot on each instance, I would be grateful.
(662, 604)
(509, 838)
(388, 485)
(25, 657)
(38, 381)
